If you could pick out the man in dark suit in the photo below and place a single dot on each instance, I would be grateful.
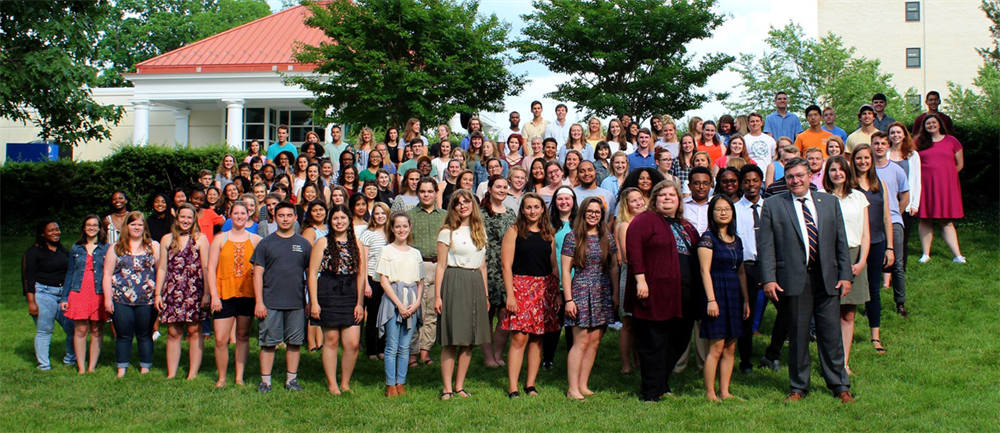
(808, 277)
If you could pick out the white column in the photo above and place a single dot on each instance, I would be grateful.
(182, 120)
(234, 119)
(140, 121)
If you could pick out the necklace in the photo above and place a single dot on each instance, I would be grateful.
(731, 246)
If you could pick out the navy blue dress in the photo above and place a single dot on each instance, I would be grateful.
(726, 260)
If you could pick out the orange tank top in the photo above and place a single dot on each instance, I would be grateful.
(235, 273)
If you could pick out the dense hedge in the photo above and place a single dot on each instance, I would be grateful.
(981, 145)
(67, 190)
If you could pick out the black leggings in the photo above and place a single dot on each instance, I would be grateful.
(551, 339)
(372, 340)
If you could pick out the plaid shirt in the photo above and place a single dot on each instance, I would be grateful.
(426, 226)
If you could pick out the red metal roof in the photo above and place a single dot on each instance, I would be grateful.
(258, 46)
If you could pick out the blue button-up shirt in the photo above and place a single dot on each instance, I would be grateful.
(782, 126)
(637, 161)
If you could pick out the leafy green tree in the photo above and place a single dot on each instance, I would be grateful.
(394, 60)
(45, 68)
(814, 72)
(992, 54)
(625, 56)
(138, 30)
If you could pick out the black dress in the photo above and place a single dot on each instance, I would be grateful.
(337, 290)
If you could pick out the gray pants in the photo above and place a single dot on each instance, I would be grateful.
(427, 334)
(815, 303)
(898, 274)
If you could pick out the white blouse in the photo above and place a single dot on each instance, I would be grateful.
(462, 252)
(853, 207)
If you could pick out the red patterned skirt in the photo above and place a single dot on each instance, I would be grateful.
(538, 306)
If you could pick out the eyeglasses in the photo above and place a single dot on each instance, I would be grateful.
(594, 212)
(723, 210)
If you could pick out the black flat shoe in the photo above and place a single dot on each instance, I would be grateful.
(514, 394)
(532, 391)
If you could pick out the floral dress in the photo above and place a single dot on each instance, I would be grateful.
(184, 288)
(591, 286)
(496, 228)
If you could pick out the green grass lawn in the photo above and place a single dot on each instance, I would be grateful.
(940, 374)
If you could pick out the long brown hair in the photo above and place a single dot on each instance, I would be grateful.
(331, 239)
(580, 235)
(849, 181)
(392, 222)
(871, 176)
(924, 139)
(122, 247)
(544, 225)
(906, 147)
(408, 130)
(452, 220)
(102, 232)
(175, 228)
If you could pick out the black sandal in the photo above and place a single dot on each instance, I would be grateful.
(879, 350)
(445, 396)
(513, 395)
(462, 391)
(531, 391)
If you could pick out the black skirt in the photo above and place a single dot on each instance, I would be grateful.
(337, 296)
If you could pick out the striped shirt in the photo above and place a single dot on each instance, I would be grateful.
(374, 240)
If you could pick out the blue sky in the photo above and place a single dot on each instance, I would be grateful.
(743, 32)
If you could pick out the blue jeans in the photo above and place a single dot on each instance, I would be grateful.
(47, 298)
(133, 322)
(397, 350)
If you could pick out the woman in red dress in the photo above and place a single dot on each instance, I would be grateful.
(941, 159)
(82, 298)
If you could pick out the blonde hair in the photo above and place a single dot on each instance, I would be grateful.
(453, 221)
(625, 214)
(372, 225)
(366, 145)
(175, 228)
(661, 186)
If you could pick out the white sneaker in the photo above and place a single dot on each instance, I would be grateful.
(925, 258)
(156, 335)
(959, 259)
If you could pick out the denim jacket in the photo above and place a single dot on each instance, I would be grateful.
(77, 264)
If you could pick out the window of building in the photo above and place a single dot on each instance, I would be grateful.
(912, 11)
(262, 124)
(913, 99)
(913, 57)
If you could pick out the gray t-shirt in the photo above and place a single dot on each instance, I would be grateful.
(895, 182)
(285, 261)
(605, 195)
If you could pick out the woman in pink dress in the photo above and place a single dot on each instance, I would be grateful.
(941, 158)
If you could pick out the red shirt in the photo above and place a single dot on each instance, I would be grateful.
(714, 151)
(652, 251)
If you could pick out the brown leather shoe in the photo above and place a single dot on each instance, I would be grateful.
(390, 391)
(901, 309)
(845, 397)
(400, 390)
(795, 396)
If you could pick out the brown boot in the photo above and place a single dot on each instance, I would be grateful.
(400, 391)
(390, 391)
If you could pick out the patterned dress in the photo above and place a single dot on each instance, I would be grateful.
(591, 286)
(87, 304)
(134, 280)
(185, 286)
(726, 261)
(496, 228)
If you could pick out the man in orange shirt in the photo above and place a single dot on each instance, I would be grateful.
(815, 136)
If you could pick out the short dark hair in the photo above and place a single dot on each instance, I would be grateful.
(700, 170)
(815, 108)
(798, 161)
(285, 127)
(563, 106)
(934, 93)
(751, 168)
(644, 131)
(550, 139)
(284, 204)
(879, 97)
(416, 141)
(535, 102)
(513, 113)
(335, 127)
(427, 179)
(776, 95)
(879, 134)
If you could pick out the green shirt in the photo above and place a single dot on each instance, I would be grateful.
(425, 229)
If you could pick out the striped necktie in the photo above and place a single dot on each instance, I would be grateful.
(811, 230)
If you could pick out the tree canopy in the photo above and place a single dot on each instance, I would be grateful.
(813, 72)
(395, 60)
(138, 30)
(626, 56)
(45, 68)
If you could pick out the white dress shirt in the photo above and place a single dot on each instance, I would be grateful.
(802, 219)
(559, 132)
(745, 228)
(697, 214)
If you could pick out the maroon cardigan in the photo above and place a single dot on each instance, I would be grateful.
(652, 251)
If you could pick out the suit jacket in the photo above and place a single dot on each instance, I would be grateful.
(780, 246)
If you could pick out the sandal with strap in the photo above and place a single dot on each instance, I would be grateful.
(532, 391)
(445, 396)
(463, 393)
(879, 350)
(513, 395)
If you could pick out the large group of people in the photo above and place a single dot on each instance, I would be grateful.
(555, 230)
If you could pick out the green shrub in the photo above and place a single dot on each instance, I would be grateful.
(67, 190)
(981, 148)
